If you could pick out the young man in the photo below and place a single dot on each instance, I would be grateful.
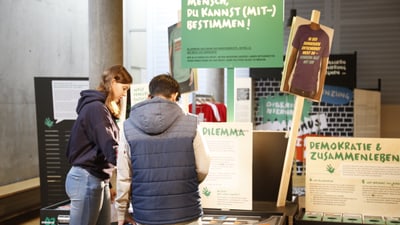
(161, 161)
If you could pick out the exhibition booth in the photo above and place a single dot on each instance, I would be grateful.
(297, 119)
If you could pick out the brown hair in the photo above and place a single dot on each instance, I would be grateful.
(120, 75)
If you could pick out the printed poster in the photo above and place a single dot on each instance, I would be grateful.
(306, 59)
(186, 77)
(65, 98)
(139, 92)
(243, 99)
(353, 175)
(228, 184)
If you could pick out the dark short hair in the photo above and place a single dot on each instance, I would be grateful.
(164, 85)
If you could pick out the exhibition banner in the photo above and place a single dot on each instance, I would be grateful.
(229, 181)
(353, 175)
(342, 70)
(232, 33)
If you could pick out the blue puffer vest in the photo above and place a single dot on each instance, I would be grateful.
(164, 179)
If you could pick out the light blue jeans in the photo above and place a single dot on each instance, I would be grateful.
(90, 198)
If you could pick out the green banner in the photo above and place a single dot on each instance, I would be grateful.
(232, 33)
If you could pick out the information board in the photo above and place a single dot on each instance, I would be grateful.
(232, 33)
(353, 175)
(228, 184)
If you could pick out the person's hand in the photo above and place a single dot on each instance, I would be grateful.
(113, 194)
(128, 219)
(109, 170)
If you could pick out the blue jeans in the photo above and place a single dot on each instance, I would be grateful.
(90, 198)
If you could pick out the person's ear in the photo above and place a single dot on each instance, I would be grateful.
(175, 96)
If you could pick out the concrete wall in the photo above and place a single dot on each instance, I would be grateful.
(38, 38)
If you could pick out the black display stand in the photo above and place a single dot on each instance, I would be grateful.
(268, 157)
(52, 141)
(58, 214)
(262, 209)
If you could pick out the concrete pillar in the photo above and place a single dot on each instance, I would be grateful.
(212, 82)
(105, 37)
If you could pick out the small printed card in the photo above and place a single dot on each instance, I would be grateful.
(332, 217)
(374, 220)
(352, 218)
(313, 216)
(392, 220)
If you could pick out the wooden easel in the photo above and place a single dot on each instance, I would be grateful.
(291, 147)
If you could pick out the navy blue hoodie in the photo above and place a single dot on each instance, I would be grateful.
(94, 136)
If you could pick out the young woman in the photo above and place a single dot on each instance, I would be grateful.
(92, 148)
